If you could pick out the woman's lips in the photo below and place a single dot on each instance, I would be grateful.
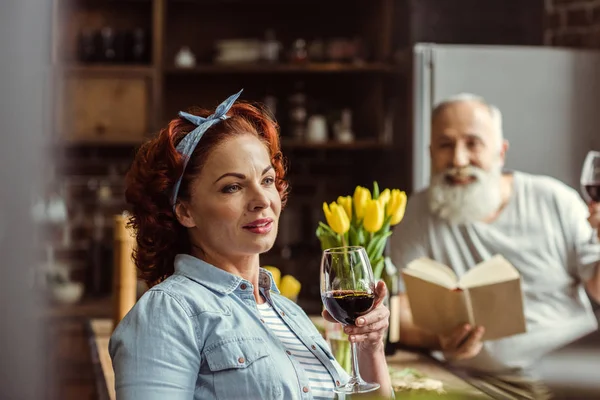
(260, 228)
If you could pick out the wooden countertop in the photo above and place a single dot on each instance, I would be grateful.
(101, 329)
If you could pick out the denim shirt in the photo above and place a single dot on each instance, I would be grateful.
(199, 335)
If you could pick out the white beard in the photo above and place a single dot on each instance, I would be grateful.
(465, 203)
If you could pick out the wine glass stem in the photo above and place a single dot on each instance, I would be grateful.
(356, 379)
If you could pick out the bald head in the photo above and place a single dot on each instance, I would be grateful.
(473, 101)
(466, 131)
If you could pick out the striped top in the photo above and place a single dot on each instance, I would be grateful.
(321, 382)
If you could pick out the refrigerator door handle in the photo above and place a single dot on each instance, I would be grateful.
(423, 95)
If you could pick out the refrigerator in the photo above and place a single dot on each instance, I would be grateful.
(550, 103)
(549, 99)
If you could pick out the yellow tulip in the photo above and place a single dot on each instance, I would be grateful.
(384, 197)
(290, 287)
(374, 216)
(336, 218)
(361, 196)
(396, 206)
(346, 202)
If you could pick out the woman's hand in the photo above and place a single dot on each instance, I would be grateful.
(370, 328)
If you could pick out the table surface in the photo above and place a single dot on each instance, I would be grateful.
(101, 329)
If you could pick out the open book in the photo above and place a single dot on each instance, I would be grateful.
(488, 295)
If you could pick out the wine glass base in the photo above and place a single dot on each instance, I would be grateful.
(357, 387)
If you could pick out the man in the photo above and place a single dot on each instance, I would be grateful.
(472, 210)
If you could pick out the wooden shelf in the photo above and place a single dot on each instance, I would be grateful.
(356, 145)
(285, 143)
(260, 68)
(98, 142)
(107, 69)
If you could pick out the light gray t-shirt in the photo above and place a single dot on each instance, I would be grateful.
(543, 231)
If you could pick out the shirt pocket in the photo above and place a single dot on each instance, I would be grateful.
(242, 368)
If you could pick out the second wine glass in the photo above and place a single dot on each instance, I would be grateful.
(348, 291)
(590, 176)
(590, 179)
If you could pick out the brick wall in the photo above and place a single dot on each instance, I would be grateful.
(498, 22)
(572, 23)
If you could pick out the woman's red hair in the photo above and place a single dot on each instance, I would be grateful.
(156, 168)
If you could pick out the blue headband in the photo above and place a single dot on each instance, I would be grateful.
(190, 141)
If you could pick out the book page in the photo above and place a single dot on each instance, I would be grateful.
(432, 271)
(498, 308)
(494, 270)
(435, 308)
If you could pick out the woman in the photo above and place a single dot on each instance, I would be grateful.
(206, 195)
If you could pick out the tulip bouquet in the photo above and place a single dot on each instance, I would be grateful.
(364, 219)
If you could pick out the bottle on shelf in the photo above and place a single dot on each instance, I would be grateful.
(298, 112)
(137, 46)
(99, 270)
(270, 47)
(109, 51)
(270, 102)
(87, 45)
(343, 128)
(299, 51)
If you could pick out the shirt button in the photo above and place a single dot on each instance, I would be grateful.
(288, 352)
(313, 347)
(241, 360)
(337, 383)
(282, 314)
(243, 286)
(262, 320)
(305, 389)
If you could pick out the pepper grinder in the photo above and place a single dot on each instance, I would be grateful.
(343, 128)
(298, 112)
(270, 47)
(124, 280)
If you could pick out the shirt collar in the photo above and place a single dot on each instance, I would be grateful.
(215, 278)
(265, 281)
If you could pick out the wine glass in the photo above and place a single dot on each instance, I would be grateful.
(348, 291)
(590, 177)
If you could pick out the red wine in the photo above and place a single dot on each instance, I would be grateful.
(347, 305)
(593, 191)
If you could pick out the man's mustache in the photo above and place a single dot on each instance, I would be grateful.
(463, 172)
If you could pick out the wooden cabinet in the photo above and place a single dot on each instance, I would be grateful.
(103, 94)
(104, 108)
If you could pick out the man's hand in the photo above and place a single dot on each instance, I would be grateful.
(462, 343)
(594, 218)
